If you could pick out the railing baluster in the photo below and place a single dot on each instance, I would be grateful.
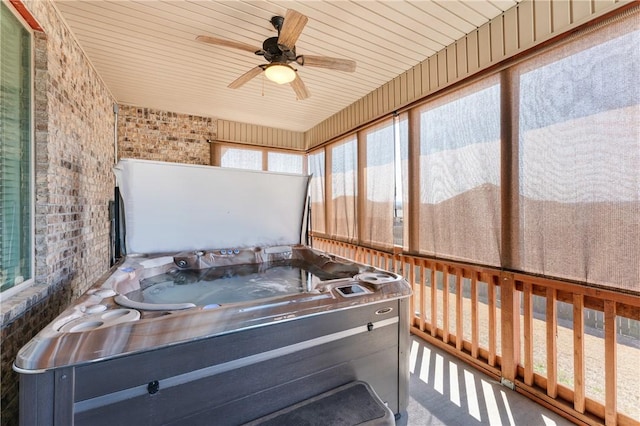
(528, 333)
(610, 363)
(492, 319)
(445, 303)
(510, 329)
(474, 315)
(412, 282)
(552, 329)
(459, 319)
(434, 300)
(578, 353)
(423, 291)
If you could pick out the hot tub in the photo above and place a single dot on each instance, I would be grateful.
(216, 334)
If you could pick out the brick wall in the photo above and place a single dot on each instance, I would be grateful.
(152, 134)
(74, 149)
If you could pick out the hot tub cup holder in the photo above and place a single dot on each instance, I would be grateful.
(100, 319)
(377, 278)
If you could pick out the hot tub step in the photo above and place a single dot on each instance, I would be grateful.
(355, 403)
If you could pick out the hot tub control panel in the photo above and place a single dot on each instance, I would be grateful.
(352, 290)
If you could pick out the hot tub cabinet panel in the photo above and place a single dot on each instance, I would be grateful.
(231, 378)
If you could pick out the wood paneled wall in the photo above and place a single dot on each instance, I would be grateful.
(522, 27)
(250, 134)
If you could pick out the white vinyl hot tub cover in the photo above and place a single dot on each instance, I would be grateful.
(170, 207)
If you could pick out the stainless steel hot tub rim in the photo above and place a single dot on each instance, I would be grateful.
(119, 340)
(52, 348)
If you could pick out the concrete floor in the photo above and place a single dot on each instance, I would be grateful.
(446, 391)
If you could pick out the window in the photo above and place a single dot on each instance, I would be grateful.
(285, 162)
(316, 190)
(16, 259)
(344, 172)
(260, 159)
(579, 159)
(241, 158)
(460, 174)
(385, 157)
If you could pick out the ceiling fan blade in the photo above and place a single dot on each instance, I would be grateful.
(244, 78)
(301, 90)
(227, 43)
(326, 62)
(293, 25)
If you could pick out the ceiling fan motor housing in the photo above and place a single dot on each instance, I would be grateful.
(273, 53)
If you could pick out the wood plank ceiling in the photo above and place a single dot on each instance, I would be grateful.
(146, 52)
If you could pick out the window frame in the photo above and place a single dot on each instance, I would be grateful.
(219, 146)
(17, 288)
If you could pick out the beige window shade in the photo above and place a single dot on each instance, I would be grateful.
(579, 158)
(344, 189)
(459, 211)
(316, 161)
(379, 179)
(382, 183)
(240, 158)
(285, 162)
(402, 181)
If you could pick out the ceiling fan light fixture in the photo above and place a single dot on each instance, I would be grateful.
(280, 73)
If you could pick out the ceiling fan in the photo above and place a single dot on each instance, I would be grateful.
(280, 52)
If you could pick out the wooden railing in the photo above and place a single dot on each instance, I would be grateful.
(487, 317)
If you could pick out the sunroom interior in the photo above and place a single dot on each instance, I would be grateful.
(491, 158)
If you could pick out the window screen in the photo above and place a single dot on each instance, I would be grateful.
(579, 159)
(343, 188)
(460, 174)
(241, 158)
(317, 190)
(15, 151)
(385, 145)
(284, 162)
(401, 228)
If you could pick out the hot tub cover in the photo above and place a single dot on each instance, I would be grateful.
(172, 207)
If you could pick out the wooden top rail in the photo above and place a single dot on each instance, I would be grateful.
(627, 305)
